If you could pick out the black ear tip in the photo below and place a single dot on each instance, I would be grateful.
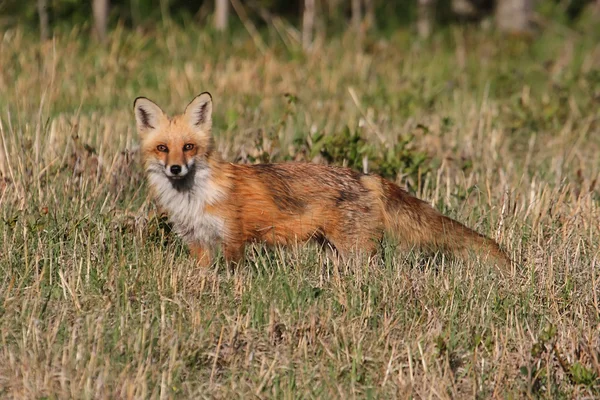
(138, 98)
(207, 93)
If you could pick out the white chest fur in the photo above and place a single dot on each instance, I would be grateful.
(186, 206)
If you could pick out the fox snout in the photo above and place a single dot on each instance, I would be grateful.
(178, 171)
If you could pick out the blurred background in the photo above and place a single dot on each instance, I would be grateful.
(311, 18)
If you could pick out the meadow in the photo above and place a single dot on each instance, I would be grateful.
(98, 299)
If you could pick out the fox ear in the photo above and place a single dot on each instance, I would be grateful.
(199, 112)
(148, 115)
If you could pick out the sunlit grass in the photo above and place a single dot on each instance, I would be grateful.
(98, 300)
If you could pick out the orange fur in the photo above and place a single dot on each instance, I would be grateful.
(219, 203)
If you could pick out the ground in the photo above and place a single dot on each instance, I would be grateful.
(99, 300)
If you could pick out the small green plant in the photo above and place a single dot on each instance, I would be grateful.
(351, 149)
(582, 375)
(346, 147)
(540, 369)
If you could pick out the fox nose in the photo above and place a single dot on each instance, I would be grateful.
(175, 169)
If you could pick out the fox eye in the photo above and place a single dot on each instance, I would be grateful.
(188, 146)
(162, 148)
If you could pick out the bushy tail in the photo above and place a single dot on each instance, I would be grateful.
(414, 222)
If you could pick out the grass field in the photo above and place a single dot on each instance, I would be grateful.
(97, 301)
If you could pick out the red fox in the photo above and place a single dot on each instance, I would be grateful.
(211, 202)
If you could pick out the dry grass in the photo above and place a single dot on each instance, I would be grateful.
(98, 302)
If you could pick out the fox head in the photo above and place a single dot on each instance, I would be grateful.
(175, 147)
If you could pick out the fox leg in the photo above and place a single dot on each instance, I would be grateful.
(334, 254)
(234, 253)
(345, 246)
(202, 254)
